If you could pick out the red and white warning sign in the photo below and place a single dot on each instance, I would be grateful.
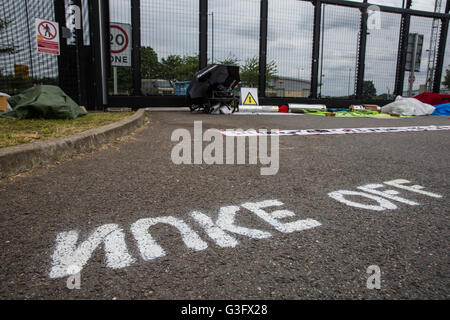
(47, 36)
(120, 37)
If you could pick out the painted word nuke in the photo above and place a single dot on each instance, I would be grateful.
(70, 256)
(383, 199)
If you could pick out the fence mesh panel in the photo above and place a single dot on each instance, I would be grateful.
(233, 36)
(422, 26)
(381, 57)
(119, 15)
(289, 48)
(340, 51)
(169, 45)
(21, 65)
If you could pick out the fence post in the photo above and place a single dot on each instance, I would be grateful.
(136, 45)
(79, 63)
(316, 48)
(203, 41)
(361, 54)
(99, 26)
(60, 17)
(441, 52)
(263, 48)
(402, 47)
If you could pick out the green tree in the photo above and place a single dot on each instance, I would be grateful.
(369, 89)
(250, 72)
(188, 68)
(446, 81)
(175, 67)
(150, 67)
(231, 60)
(124, 80)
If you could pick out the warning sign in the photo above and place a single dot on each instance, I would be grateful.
(249, 96)
(47, 36)
(120, 37)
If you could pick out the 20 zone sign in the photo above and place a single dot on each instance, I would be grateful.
(120, 39)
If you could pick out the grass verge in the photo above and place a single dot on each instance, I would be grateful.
(14, 132)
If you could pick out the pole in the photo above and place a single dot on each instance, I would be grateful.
(212, 31)
(441, 52)
(29, 40)
(413, 65)
(203, 34)
(349, 74)
(321, 52)
(78, 47)
(262, 79)
(361, 54)
(316, 48)
(402, 46)
(115, 79)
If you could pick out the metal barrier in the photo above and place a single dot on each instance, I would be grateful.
(142, 53)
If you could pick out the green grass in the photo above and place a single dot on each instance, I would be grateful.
(14, 132)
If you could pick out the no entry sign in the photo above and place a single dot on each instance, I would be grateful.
(120, 37)
(47, 36)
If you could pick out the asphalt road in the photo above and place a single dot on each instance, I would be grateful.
(136, 179)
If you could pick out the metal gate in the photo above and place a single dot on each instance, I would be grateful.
(143, 53)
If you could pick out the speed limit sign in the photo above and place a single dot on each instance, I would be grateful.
(120, 40)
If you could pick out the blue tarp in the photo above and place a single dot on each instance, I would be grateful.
(442, 110)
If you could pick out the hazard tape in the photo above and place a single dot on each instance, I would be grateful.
(307, 132)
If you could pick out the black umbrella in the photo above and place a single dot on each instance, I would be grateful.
(212, 78)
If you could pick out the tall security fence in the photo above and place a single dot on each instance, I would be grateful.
(141, 53)
(24, 63)
(20, 64)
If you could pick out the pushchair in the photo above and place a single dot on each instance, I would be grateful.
(211, 90)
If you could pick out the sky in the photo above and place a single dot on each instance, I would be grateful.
(172, 27)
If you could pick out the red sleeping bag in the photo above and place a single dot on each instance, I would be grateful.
(433, 98)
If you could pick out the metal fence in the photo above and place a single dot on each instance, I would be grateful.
(330, 51)
(20, 64)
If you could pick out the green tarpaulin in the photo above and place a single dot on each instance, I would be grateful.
(43, 101)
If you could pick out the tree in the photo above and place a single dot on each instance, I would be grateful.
(189, 66)
(150, 67)
(9, 49)
(231, 60)
(250, 72)
(446, 81)
(369, 89)
(175, 67)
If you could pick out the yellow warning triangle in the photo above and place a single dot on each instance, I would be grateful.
(249, 99)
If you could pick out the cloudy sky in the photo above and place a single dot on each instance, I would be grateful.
(171, 27)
